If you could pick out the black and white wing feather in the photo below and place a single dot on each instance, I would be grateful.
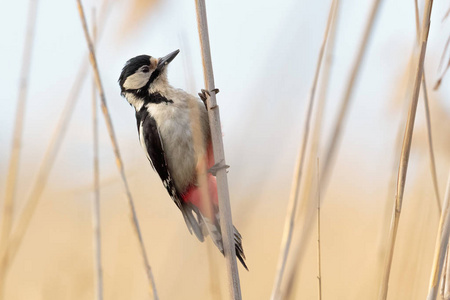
(152, 143)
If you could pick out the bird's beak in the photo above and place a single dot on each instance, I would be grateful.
(164, 61)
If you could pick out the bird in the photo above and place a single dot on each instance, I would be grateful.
(168, 120)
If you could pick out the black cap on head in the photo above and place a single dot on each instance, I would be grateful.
(132, 66)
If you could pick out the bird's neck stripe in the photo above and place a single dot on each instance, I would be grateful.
(157, 98)
(138, 101)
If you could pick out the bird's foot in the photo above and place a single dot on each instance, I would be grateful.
(218, 166)
(204, 94)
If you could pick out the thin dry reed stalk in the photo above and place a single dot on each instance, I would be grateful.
(446, 279)
(9, 250)
(397, 149)
(201, 170)
(430, 145)
(408, 74)
(319, 261)
(19, 122)
(428, 119)
(446, 14)
(417, 19)
(307, 199)
(115, 146)
(202, 178)
(226, 222)
(441, 245)
(96, 201)
(439, 81)
(443, 277)
(444, 282)
(441, 63)
(318, 111)
(339, 123)
(297, 179)
(330, 149)
(404, 157)
(13, 169)
(382, 247)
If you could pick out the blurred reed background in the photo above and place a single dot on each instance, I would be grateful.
(264, 56)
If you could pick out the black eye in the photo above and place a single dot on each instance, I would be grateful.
(145, 69)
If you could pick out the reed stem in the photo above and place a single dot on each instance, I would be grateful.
(226, 222)
(115, 145)
(406, 148)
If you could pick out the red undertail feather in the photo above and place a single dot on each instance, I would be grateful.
(193, 196)
(193, 193)
(209, 212)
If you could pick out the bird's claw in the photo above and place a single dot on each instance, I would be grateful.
(218, 166)
(204, 94)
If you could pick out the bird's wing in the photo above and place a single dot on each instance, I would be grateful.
(152, 143)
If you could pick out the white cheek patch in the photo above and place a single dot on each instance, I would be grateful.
(137, 80)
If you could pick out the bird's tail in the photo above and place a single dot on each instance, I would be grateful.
(208, 218)
(214, 231)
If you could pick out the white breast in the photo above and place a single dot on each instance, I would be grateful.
(175, 127)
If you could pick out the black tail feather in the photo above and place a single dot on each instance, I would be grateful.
(238, 248)
(214, 231)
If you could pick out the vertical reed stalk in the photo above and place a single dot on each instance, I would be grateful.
(9, 250)
(382, 247)
(13, 169)
(319, 262)
(338, 124)
(406, 148)
(213, 277)
(428, 119)
(446, 279)
(313, 152)
(441, 246)
(226, 222)
(439, 81)
(444, 284)
(96, 203)
(430, 144)
(330, 149)
(288, 286)
(297, 179)
(115, 146)
(441, 63)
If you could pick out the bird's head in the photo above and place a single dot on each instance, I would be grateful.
(142, 72)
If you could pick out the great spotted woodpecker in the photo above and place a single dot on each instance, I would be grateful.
(166, 128)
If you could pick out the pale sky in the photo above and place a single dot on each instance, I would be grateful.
(264, 54)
